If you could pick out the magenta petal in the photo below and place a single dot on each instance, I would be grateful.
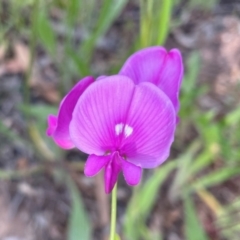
(112, 170)
(94, 164)
(156, 65)
(99, 113)
(150, 125)
(101, 77)
(52, 124)
(131, 172)
(61, 134)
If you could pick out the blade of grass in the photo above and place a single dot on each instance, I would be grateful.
(213, 178)
(192, 226)
(164, 21)
(78, 226)
(146, 9)
(73, 9)
(233, 117)
(210, 201)
(201, 161)
(155, 19)
(45, 31)
(143, 199)
(183, 174)
(110, 10)
(117, 237)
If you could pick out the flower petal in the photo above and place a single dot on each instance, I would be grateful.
(99, 113)
(131, 172)
(94, 164)
(152, 120)
(52, 124)
(156, 65)
(101, 77)
(112, 170)
(61, 134)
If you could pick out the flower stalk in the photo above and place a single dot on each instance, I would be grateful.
(113, 213)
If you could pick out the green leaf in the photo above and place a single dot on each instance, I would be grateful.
(149, 191)
(117, 237)
(73, 9)
(233, 117)
(190, 78)
(142, 201)
(183, 174)
(201, 161)
(164, 20)
(78, 226)
(45, 32)
(82, 67)
(39, 111)
(155, 21)
(214, 178)
(110, 10)
(188, 96)
(192, 226)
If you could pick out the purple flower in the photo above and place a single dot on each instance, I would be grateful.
(156, 65)
(58, 126)
(124, 127)
(124, 122)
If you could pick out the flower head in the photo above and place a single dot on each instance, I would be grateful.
(124, 127)
(58, 126)
(124, 122)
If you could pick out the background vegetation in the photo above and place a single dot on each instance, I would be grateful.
(47, 46)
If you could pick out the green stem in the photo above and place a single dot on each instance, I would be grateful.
(113, 213)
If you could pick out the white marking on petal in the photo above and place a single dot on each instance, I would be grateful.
(128, 130)
(120, 127)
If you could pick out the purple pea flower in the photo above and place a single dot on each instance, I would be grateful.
(124, 122)
(123, 126)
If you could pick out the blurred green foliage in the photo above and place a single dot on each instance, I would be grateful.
(193, 228)
(155, 22)
(216, 141)
(79, 225)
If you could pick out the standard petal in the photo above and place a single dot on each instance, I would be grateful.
(131, 172)
(171, 76)
(98, 116)
(149, 127)
(94, 164)
(61, 134)
(156, 65)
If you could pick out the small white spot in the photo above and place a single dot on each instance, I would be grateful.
(120, 127)
(128, 130)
